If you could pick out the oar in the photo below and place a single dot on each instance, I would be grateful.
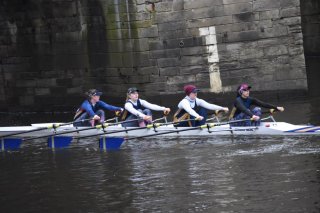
(149, 126)
(205, 126)
(51, 126)
(100, 126)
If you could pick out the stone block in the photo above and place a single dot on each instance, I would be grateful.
(148, 71)
(155, 45)
(207, 22)
(178, 5)
(198, 50)
(192, 70)
(154, 88)
(207, 12)
(140, 79)
(289, 3)
(276, 50)
(115, 60)
(157, 78)
(168, 17)
(26, 83)
(291, 21)
(181, 79)
(246, 17)
(49, 82)
(201, 3)
(289, 73)
(166, 53)
(26, 100)
(148, 32)
(298, 61)
(228, 65)
(43, 91)
(125, 71)
(290, 12)
(243, 36)
(243, 72)
(296, 50)
(168, 62)
(270, 14)
(251, 53)
(170, 26)
(66, 82)
(264, 5)
(193, 60)
(231, 9)
(169, 71)
(275, 31)
(236, 1)
(163, 6)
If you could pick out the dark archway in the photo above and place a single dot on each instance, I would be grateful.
(310, 13)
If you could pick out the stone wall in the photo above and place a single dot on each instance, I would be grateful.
(310, 12)
(52, 51)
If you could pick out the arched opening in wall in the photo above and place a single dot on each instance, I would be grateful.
(310, 13)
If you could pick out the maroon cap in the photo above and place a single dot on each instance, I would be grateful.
(243, 87)
(189, 89)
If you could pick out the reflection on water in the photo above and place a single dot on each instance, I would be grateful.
(186, 175)
(196, 174)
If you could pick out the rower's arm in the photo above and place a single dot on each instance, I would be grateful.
(148, 105)
(239, 105)
(132, 110)
(109, 107)
(184, 104)
(259, 103)
(207, 105)
(88, 108)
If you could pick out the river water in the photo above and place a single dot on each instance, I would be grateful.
(195, 174)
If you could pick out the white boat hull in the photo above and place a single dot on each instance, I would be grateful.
(266, 128)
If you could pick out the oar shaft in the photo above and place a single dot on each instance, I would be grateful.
(100, 126)
(23, 132)
(51, 126)
(154, 125)
(111, 132)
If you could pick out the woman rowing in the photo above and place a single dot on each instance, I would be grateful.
(138, 110)
(242, 108)
(194, 109)
(93, 108)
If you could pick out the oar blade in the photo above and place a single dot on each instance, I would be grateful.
(59, 141)
(10, 143)
(110, 143)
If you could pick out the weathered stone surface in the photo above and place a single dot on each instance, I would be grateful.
(169, 71)
(68, 46)
(168, 62)
(290, 12)
(263, 5)
(167, 53)
(201, 3)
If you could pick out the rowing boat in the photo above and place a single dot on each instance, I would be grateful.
(266, 128)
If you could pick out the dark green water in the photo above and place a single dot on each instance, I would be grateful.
(216, 174)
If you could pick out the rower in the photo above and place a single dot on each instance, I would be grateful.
(242, 108)
(136, 108)
(192, 107)
(93, 108)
